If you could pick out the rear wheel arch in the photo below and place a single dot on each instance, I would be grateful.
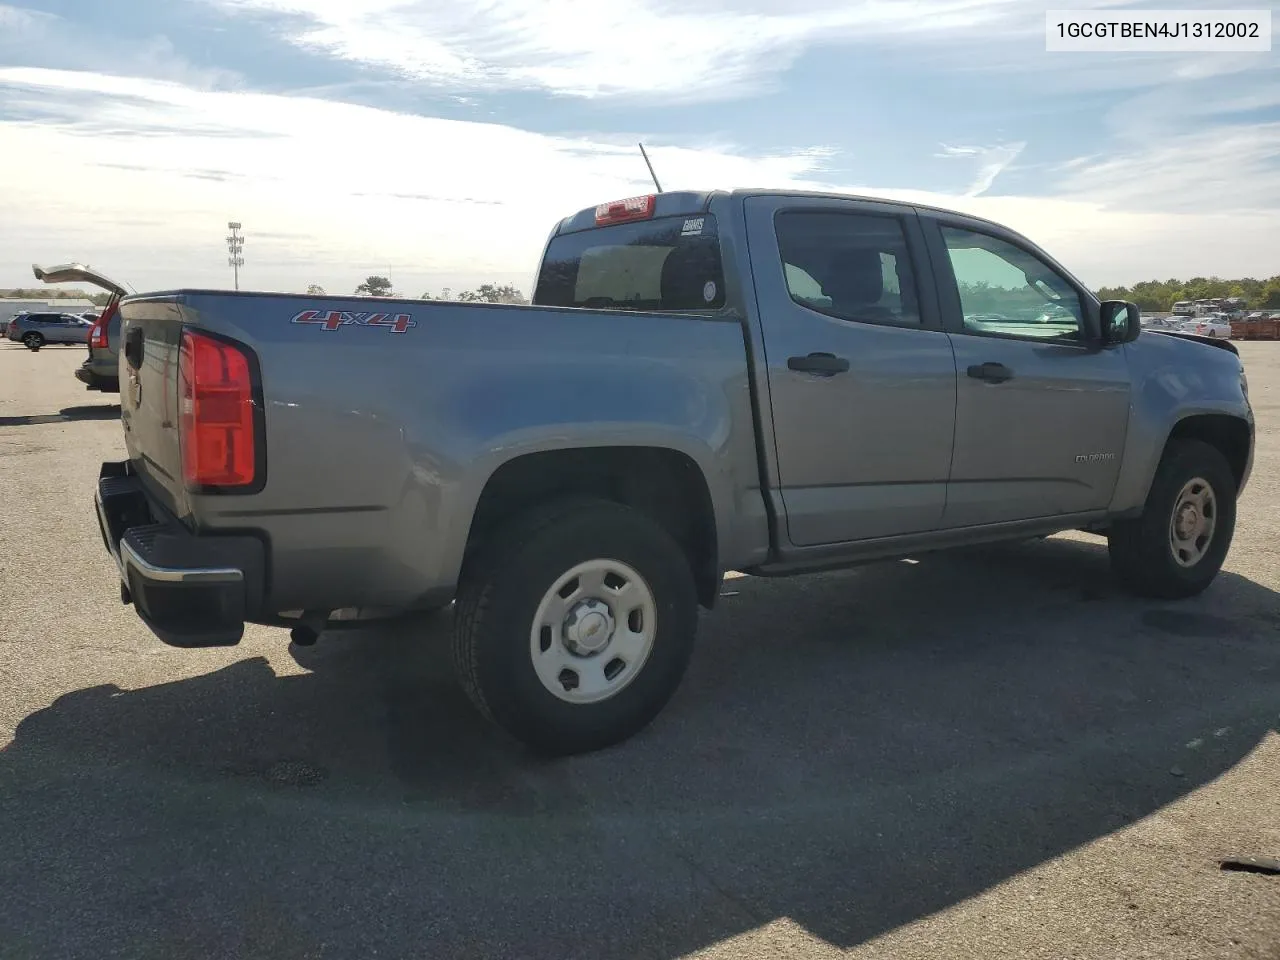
(665, 484)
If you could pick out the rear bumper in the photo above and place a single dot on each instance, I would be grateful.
(191, 591)
(97, 381)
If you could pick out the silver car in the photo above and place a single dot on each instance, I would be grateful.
(35, 330)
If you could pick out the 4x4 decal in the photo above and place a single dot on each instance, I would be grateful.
(334, 319)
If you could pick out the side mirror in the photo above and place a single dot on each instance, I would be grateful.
(1121, 321)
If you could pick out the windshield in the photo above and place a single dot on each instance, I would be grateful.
(667, 264)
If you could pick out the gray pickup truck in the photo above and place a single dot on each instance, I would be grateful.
(772, 383)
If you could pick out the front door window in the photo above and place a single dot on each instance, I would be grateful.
(1006, 291)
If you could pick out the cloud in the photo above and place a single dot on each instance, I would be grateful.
(991, 162)
(1209, 144)
(675, 49)
(1228, 169)
(331, 192)
(36, 38)
(356, 188)
(697, 50)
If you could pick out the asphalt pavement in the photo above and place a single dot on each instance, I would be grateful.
(981, 755)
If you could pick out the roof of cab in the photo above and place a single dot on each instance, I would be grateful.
(685, 202)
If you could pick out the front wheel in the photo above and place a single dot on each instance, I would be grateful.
(1178, 544)
(574, 631)
(33, 341)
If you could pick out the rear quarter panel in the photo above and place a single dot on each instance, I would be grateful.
(379, 444)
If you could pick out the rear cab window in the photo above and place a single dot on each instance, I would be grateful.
(664, 264)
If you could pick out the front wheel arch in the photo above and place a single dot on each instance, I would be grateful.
(1229, 435)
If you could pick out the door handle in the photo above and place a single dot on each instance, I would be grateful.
(991, 372)
(827, 364)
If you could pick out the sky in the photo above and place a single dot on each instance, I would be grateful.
(439, 141)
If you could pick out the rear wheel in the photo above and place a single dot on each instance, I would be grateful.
(1178, 544)
(574, 631)
(33, 341)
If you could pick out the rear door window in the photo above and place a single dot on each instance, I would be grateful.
(854, 266)
(672, 263)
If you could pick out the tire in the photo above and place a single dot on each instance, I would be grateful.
(33, 341)
(1142, 550)
(503, 592)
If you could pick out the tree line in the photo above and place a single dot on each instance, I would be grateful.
(1160, 295)
(376, 286)
(47, 293)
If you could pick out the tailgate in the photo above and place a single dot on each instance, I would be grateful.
(150, 337)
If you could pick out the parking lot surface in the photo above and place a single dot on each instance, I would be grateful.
(989, 754)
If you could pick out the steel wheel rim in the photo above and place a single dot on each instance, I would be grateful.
(1193, 522)
(593, 631)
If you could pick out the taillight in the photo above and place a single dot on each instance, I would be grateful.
(216, 419)
(621, 211)
(98, 332)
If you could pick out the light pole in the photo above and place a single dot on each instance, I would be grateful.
(235, 246)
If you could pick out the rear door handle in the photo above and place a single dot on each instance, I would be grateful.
(827, 364)
(991, 372)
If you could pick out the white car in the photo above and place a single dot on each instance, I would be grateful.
(1213, 327)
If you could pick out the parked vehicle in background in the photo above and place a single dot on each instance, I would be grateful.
(36, 330)
(1213, 327)
(765, 382)
(101, 369)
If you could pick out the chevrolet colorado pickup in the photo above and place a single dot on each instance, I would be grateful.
(752, 381)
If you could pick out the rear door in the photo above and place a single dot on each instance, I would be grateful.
(1042, 410)
(861, 378)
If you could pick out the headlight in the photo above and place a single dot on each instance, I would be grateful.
(1244, 384)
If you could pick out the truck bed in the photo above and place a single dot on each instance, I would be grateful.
(404, 408)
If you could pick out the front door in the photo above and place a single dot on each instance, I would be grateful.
(1041, 409)
(860, 377)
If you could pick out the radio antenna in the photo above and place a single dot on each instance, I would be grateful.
(644, 154)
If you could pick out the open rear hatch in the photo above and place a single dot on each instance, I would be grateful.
(79, 273)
